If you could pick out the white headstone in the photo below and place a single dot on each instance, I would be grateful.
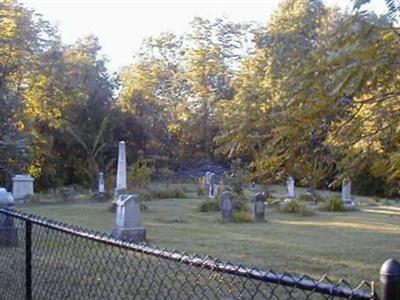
(22, 185)
(128, 221)
(101, 183)
(121, 168)
(290, 189)
(346, 193)
(6, 198)
(208, 174)
(8, 230)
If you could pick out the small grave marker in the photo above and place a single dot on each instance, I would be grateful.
(226, 206)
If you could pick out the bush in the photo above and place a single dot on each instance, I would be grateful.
(312, 196)
(240, 203)
(201, 186)
(209, 205)
(306, 197)
(139, 174)
(200, 191)
(147, 195)
(297, 207)
(335, 204)
(242, 217)
(167, 194)
(237, 178)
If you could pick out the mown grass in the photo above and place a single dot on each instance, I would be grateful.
(352, 245)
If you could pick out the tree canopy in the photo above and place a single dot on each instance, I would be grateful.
(313, 93)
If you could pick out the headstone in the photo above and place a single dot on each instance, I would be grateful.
(8, 230)
(290, 195)
(211, 186)
(22, 186)
(226, 206)
(128, 225)
(346, 193)
(259, 207)
(69, 193)
(121, 185)
(101, 183)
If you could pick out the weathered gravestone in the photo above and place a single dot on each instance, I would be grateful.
(128, 225)
(8, 231)
(22, 186)
(121, 184)
(211, 186)
(346, 193)
(259, 207)
(101, 183)
(226, 206)
(290, 195)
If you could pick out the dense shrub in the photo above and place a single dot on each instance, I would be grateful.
(312, 196)
(148, 195)
(240, 203)
(297, 207)
(334, 204)
(139, 174)
(237, 178)
(306, 197)
(201, 186)
(242, 217)
(167, 194)
(209, 205)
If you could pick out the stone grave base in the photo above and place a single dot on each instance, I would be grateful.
(227, 215)
(134, 235)
(348, 203)
(288, 199)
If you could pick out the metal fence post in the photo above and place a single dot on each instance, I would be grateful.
(390, 280)
(28, 260)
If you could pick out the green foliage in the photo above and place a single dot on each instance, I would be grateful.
(240, 203)
(237, 177)
(335, 204)
(242, 217)
(209, 205)
(139, 174)
(312, 196)
(151, 194)
(315, 96)
(297, 207)
(201, 186)
(167, 194)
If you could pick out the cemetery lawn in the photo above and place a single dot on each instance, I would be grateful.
(350, 245)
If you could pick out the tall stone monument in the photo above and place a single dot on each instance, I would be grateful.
(290, 195)
(8, 230)
(128, 225)
(226, 206)
(121, 184)
(211, 186)
(101, 190)
(259, 207)
(22, 186)
(346, 193)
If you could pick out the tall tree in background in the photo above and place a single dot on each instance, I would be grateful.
(23, 37)
(70, 100)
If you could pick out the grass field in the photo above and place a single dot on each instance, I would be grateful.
(352, 245)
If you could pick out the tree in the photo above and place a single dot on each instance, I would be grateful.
(23, 37)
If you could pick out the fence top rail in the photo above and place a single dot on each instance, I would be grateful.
(323, 286)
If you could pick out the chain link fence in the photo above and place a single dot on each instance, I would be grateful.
(44, 259)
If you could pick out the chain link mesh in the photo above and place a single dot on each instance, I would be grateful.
(69, 262)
